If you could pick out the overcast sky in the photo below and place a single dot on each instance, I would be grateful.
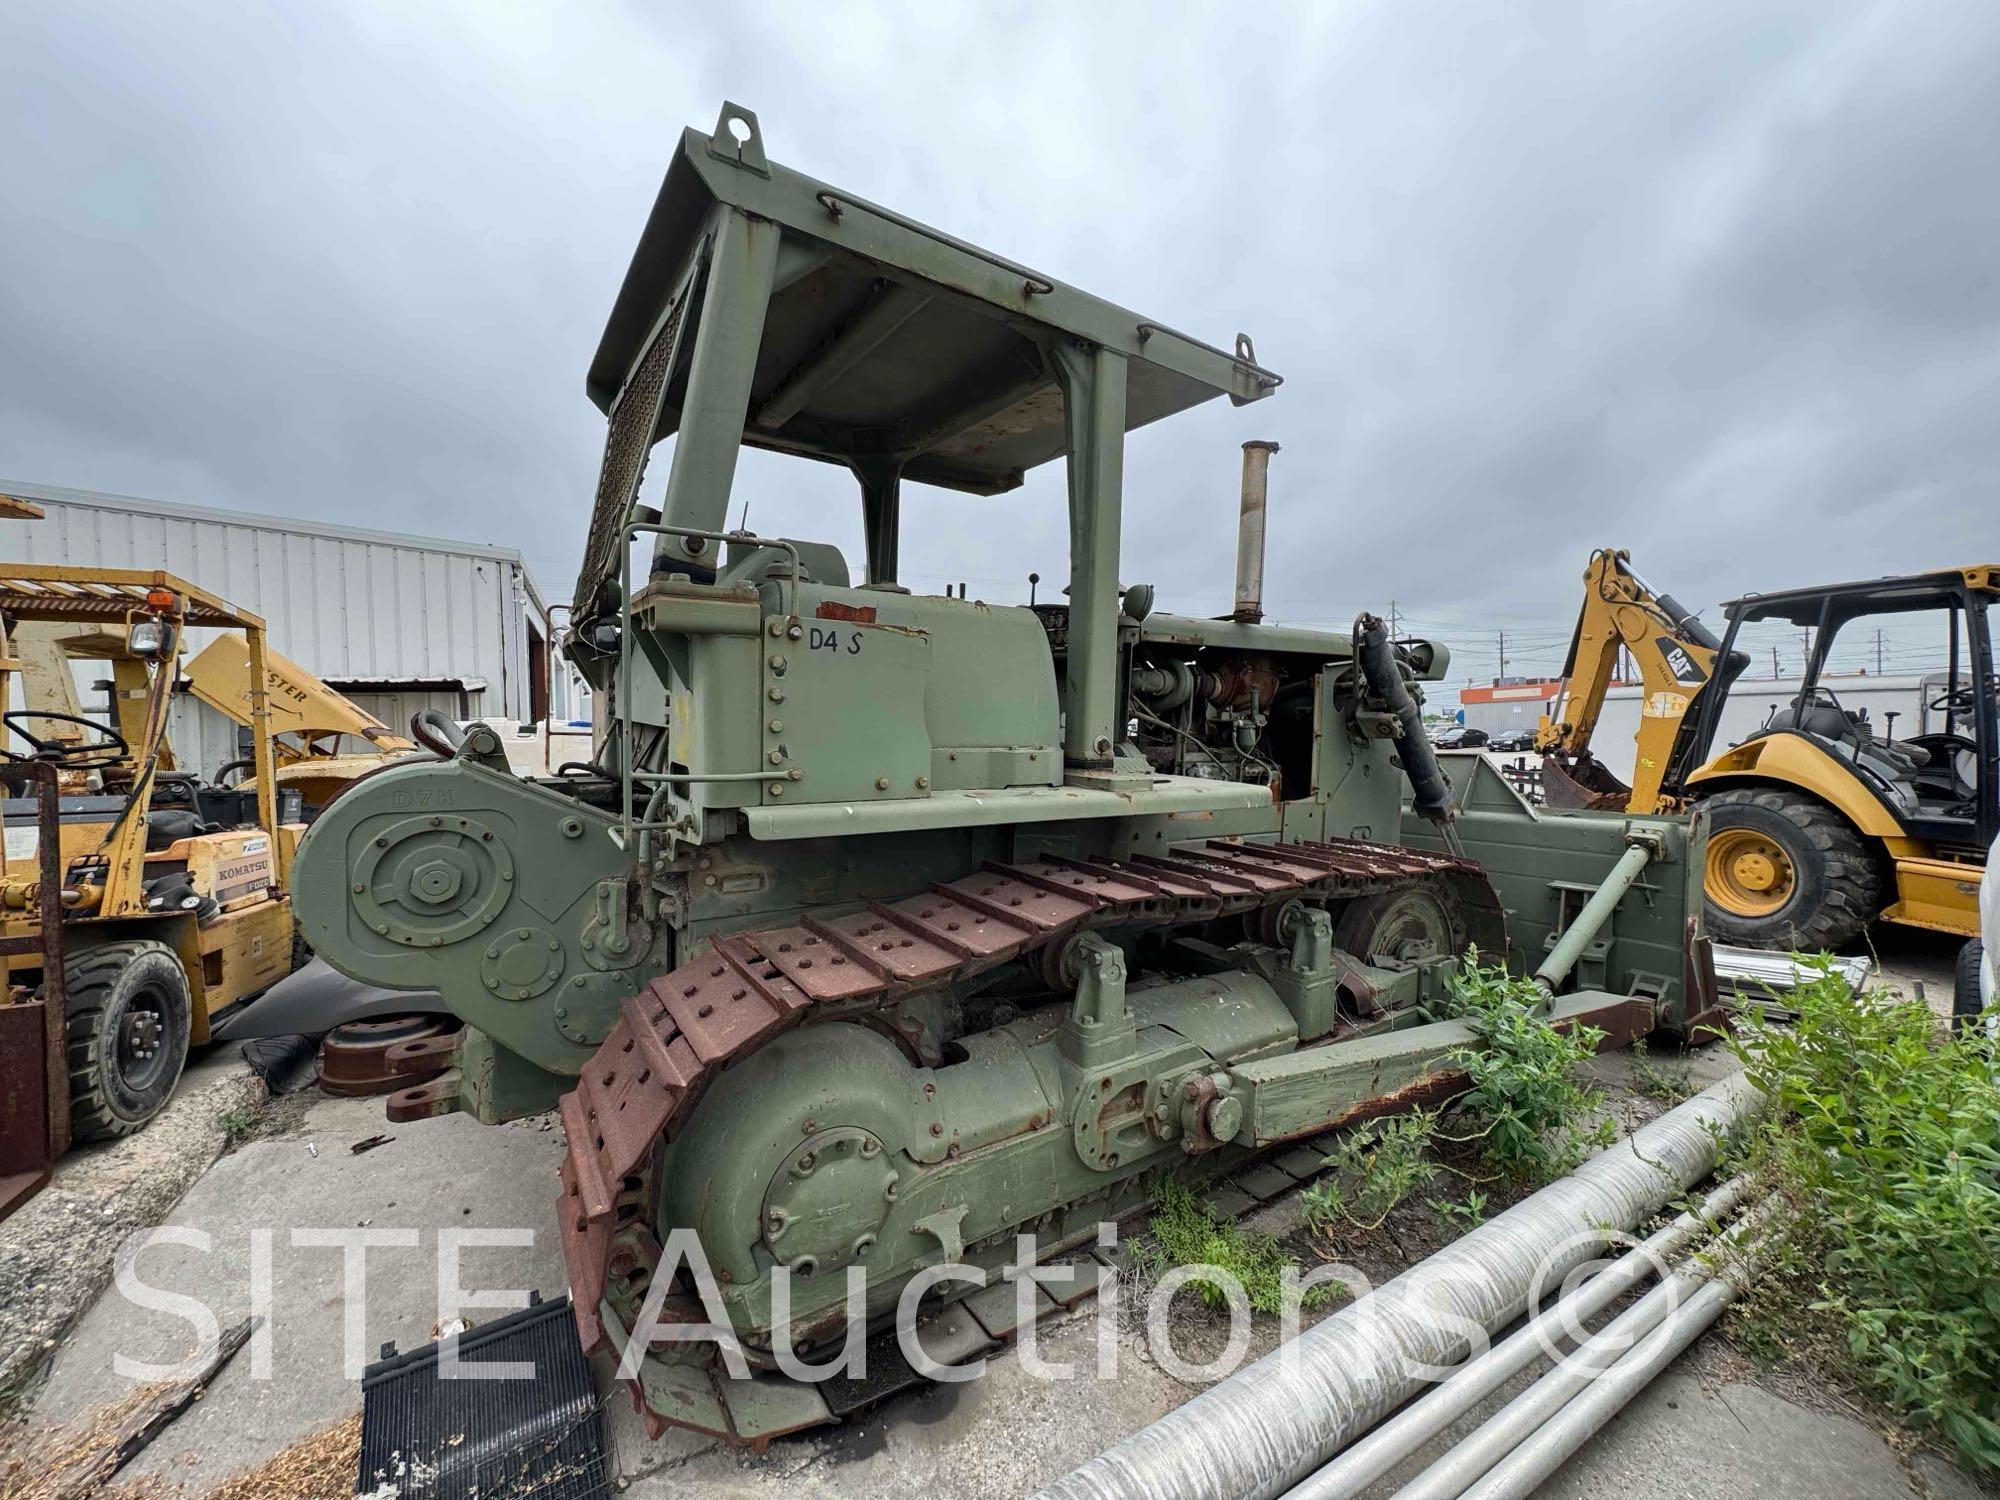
(1719, 282)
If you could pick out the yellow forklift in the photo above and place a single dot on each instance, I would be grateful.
(170, 893)
(1818, 824)
(312, 726)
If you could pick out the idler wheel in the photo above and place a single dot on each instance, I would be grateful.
(365, 1058)
(1416, 921)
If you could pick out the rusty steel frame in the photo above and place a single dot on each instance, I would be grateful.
(34, 1072)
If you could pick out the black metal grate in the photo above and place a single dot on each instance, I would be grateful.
(627, 442)
(458, 1439)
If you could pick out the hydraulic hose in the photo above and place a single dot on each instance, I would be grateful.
(1376, 654)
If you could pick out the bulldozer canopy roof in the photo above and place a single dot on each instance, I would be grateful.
(884, 337)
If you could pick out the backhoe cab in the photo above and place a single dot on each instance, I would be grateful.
(1818, 823)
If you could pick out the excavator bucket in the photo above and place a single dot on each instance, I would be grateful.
(1583, 783)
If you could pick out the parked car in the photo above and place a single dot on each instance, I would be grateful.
(1513, 739)
(1460, 738)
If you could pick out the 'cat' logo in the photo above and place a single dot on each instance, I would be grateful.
(1684, 667)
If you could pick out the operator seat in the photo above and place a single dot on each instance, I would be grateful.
(1819, 714)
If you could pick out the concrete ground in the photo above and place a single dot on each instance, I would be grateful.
(1706, 1428)
(56, 1252)
(435, 1184)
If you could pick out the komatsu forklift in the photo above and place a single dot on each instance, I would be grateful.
(137, 902)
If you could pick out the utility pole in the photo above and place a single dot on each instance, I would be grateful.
(1878, 653)
(1775, 673)
(1394, 630)
(1502, 674)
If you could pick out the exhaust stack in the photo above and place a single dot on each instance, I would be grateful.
(1250, 531)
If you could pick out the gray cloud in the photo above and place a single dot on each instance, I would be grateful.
(1715, 282)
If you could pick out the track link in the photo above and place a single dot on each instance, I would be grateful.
(717, 1007)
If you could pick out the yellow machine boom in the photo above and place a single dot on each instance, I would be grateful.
(1675, 656)
(308, 716)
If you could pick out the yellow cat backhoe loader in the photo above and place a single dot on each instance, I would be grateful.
(1817, 826)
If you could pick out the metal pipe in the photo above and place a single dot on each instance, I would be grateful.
(1250, 530)
(1455, 1472)
(1544, 1451)
(1416, 1424)
(1272, 1423)
(1596, 911)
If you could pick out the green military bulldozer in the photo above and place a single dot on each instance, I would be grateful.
(885, 927)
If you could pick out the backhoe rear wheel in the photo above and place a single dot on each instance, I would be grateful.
(1786, 871)
(130, 1017)
(1966, 1002)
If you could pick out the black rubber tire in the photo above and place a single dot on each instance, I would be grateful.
(1965, 1006)
(104, 985)
(1838, 888)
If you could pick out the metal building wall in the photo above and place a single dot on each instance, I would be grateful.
(1506, 709)
(1506, 717)
(374, 609)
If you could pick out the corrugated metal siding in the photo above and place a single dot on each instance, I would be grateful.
(204, 740)
(343, 603)
(396, 709)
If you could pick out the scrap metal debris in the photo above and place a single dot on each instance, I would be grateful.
(488, 1438)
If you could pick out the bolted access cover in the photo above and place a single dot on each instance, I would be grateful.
(828, 1202)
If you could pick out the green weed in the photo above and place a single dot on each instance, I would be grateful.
(1535, 1117)
(1468, 1214)
(1884, 1141)
(1187, 1232)
(238, 1125)
(1670, 1081)
(1374, 1169)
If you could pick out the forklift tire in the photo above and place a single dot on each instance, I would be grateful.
(1965, 1002)
(1785, 871)
(130, 1017)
